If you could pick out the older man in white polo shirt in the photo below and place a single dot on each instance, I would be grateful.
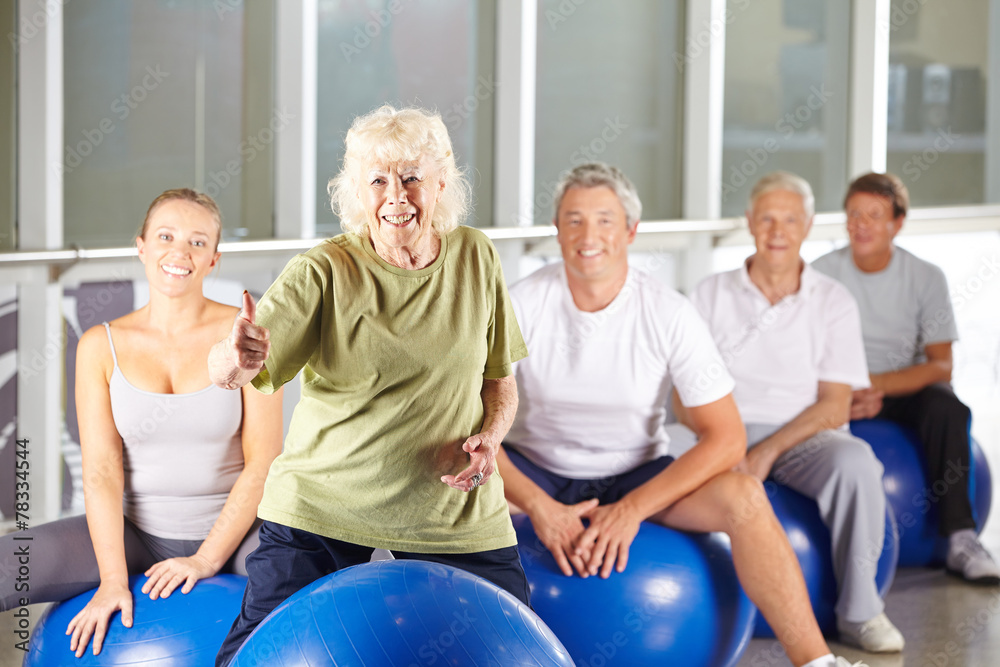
(791, 337)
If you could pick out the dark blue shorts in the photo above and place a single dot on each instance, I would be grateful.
(289, 559)
(571, 491)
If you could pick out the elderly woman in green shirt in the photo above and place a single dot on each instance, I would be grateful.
(405, 336)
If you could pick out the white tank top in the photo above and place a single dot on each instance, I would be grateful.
(182, 454)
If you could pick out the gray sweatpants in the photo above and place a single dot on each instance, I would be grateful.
(60, 561)
(840, 472)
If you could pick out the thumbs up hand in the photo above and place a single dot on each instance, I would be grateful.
(236, 360)
(249, 342)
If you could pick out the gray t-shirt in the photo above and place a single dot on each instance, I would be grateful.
(904, 307)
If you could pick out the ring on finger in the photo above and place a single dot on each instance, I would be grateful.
(477, 479)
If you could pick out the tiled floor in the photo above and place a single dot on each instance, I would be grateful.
(946, 624)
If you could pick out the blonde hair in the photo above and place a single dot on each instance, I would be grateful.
(389, 136)
(188, 195)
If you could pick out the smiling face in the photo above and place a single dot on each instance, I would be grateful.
(179, 246)
(779, 224)
(871, 228)
(399, 200)
(594, 234)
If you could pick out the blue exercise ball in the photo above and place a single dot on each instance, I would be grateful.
(401, 612)
(913, 497)
(678, 602)
(810, 540)
(177, 631)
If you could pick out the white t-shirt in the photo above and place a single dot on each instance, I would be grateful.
(594, 388)
(904, 307)
(779, 354)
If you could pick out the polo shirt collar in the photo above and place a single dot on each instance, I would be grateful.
(808, 279)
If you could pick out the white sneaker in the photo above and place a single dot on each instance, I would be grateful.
(876, 635)
(844, 662)
(969, 559)
(829, 661)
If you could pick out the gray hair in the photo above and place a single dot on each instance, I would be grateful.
(389, 136)
(595, 175)
(783, 180)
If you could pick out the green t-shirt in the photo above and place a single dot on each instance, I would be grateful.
(393, 362)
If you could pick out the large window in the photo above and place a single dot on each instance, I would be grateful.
(609, 88)
(939, 75)
(8, 125)
(161, 95)
(437, 54)
(786, 97)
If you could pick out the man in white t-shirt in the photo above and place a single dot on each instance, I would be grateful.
(791, 337)
(605, 343)
(908, 326)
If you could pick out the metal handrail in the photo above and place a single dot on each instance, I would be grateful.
(722, 226)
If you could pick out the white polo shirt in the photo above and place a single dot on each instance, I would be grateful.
(595, 386)
(779, 354)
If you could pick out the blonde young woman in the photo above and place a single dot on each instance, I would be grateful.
(173, 466)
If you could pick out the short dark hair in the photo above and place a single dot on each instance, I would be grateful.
(884, 185)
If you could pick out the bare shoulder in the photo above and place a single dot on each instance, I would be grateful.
(94, 340)
(221, 311)
(220, 317)
(94, 351)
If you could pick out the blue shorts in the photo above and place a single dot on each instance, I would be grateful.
(571, 491)
(289, 559)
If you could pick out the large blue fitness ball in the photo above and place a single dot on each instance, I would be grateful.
(810, 539)
(678, 602)
(401, 613)
(178, 631)
(913, 497)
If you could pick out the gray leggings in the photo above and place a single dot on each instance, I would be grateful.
(61, 561)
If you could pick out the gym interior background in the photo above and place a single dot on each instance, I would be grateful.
(105, 104)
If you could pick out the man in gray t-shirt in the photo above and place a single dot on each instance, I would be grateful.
(908, 327)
